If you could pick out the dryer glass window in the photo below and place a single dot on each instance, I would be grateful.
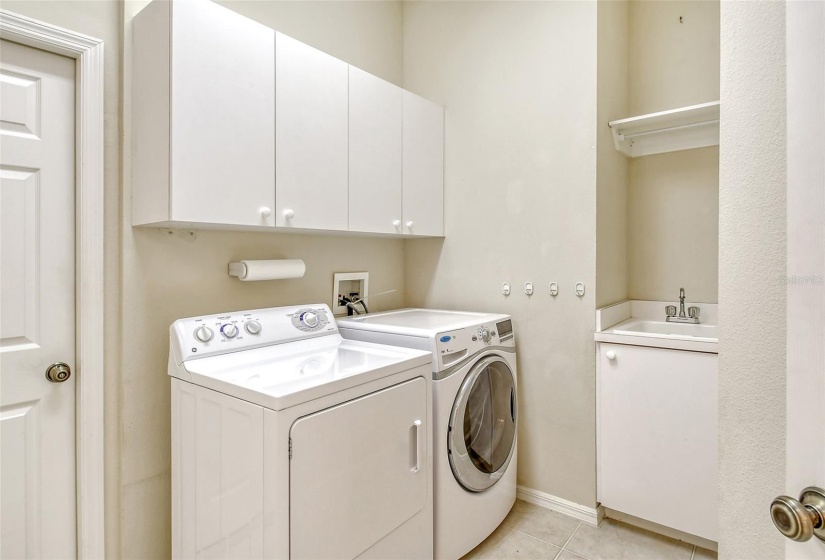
(483, 426)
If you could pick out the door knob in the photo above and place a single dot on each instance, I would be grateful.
(59, 372)
(801, 519)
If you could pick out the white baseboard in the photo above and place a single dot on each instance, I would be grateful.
(591, 516)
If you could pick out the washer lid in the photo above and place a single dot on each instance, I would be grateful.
(281, 376)
(418, 322)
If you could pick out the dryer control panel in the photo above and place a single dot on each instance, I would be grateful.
(210, 335)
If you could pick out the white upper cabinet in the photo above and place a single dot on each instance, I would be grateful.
(236, 126)
(311, 137)
(203, 116)
(423, 174)
(375, 135)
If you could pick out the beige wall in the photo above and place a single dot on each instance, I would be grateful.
(673, 64)
(518, 83)
(176, 274)
(673, 198)
(674, 225)
(752, 263)
(613, 167)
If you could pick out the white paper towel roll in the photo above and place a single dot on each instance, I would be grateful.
(268, 270)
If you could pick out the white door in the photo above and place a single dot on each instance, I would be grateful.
(37, 309)
(375, 116)
(311, 137)
(423, 184)
(354, 479)
(806, 258)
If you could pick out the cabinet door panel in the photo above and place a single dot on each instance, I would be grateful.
(423, 184)
(311, 137)
(375, 132)
(223, 119)
(657, 436)
(356, 477)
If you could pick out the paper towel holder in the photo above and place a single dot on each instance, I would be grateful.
(267, 270)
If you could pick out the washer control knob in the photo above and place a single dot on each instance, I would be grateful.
(309, 319)
(485, 335)
(252, 327)
(229, 330)
(203, 333)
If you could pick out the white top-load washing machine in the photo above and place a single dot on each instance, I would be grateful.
(475, 418)
(290, 442)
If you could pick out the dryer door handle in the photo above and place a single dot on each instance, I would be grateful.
(414, 456)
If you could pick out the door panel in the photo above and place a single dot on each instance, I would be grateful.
(311, 137)
(805, 461)
(358, 471)
(37, 314)
(375, 115)
(423, 184)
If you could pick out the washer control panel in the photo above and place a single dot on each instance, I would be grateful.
(454, 346)
(209, 335)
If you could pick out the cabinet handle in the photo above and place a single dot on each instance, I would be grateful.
(266, 211)
(396, 223)
(414, 462)
(611, 355)
(289, 214)
(410, 224)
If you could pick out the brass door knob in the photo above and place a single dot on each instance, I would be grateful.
(59, 372)
(801, 519)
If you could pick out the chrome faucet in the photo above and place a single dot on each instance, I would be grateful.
(692, 313)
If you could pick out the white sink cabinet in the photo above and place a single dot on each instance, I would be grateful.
(657, 435)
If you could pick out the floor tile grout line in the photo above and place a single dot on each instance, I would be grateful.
(570, 538)
(526, 534)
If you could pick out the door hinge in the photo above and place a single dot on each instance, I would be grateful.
(290, 448)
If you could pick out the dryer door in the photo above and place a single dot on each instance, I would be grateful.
(483, 425)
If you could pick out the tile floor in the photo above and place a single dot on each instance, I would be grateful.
(533, 532)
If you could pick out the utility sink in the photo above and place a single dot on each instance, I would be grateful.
(663, 329)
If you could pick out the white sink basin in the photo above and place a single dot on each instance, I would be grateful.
(673, 331)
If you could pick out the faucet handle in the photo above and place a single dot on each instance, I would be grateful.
(693, 312)
(670, 310)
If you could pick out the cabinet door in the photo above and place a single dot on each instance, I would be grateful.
(657, 428)
(375, 120)
(311, 137)
(358, 471)
(423, 183)
(223, 119)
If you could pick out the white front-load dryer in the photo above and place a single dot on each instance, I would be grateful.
(475, 414)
